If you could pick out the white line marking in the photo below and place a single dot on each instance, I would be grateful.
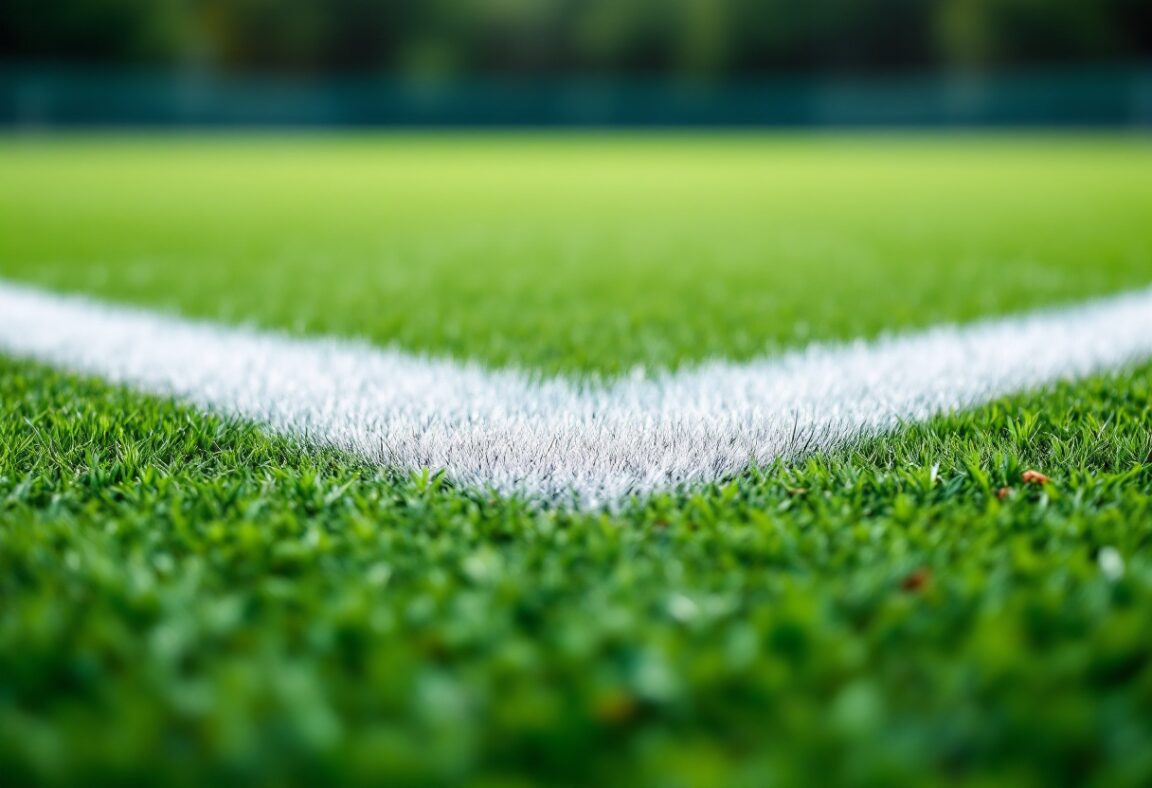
(559, 439)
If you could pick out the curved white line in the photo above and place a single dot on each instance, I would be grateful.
(558, 439)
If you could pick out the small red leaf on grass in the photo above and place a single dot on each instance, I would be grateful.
(917, 579)
(1033, 477)
(1003, 493)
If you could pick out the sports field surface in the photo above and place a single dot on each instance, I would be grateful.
(195, 589)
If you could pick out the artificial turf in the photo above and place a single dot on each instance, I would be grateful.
(593, 253)
(185, 599)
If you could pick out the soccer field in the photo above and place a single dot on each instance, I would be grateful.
(187, 596)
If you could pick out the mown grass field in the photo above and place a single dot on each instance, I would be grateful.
(186, 599)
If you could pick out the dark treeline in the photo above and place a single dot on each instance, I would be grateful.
(691, 38)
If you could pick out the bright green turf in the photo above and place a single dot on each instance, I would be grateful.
(185, 600)
(582, 252)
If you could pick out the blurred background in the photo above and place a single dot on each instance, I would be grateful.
(576, 62)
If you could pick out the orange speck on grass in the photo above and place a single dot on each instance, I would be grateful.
(1033, 477)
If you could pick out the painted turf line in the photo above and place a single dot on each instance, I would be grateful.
(558, 439)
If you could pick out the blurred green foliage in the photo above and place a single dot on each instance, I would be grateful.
(690, 38)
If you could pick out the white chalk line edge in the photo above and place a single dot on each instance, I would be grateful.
(557, 439)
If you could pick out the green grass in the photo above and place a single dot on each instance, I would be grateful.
(589, 253)
(188, 600)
